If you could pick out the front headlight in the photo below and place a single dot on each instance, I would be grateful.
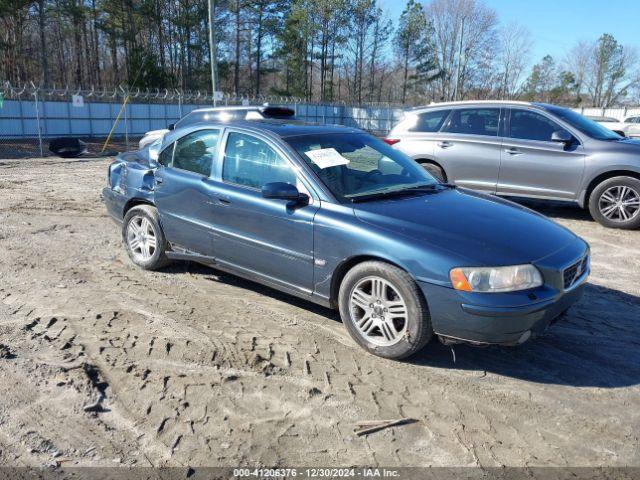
(495, 279)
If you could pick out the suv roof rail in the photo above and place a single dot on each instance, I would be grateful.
(472, 102)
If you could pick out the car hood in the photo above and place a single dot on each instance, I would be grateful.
(626, 145)
(482, 229)
(613, 124)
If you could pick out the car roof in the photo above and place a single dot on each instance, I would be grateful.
(281, 128)
(226, 109)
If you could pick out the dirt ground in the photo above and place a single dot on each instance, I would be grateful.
(103, 364)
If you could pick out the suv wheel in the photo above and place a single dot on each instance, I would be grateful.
(436, 171)
(384, 310)
(615, 203)
(144, 238)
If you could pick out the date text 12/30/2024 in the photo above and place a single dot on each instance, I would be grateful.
(303, 473)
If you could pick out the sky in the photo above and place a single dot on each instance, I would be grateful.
(557, 25)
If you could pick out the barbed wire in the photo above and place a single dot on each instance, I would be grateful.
(103, 94)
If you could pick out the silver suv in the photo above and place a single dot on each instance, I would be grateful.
(531, 150)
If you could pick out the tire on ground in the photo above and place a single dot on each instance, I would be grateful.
(419, 330)
(594, 202)
(159, 258)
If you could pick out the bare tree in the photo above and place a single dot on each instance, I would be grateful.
(513, 57)
(465, 31)
(577, 61)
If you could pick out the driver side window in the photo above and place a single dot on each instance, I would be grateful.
(250, 162)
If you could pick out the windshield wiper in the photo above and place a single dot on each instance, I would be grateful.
(427, 188)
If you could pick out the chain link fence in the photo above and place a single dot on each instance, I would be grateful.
(30, 117)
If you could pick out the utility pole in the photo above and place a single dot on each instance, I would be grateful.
(212, 50)
(457, 85)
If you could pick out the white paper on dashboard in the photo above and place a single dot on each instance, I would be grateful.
(327, 157)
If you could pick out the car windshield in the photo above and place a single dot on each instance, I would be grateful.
(588, 127)
(356, 165)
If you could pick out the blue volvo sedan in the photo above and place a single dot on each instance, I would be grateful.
(336, 216)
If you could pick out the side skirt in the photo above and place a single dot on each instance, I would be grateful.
(186, 255)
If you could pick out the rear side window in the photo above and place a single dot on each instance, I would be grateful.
(166, 156)
(474, 121)
(251, 162)
(195, 152)
(528, 125)
(429, 121)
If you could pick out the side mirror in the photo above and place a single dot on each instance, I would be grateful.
(171, 126)
(561, 136)
(281, 191)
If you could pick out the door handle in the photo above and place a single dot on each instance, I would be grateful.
(223, 200)
(513, 151)
(445, 144)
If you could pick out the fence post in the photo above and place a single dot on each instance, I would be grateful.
(69, 116)
(35, 94)
(90, 120)
(126, 120)
(23, 130)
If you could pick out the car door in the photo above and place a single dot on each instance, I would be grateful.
(468, 147)
(534, 166)
(272, 239)
(181, 193)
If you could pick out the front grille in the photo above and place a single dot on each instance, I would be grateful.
(575, 271)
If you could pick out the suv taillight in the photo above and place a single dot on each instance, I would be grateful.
(391, 141)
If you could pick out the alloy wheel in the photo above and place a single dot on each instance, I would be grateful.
(141, 238)
(619, 203)
(378, 311)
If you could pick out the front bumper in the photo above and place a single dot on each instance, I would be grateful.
(505, 321)
(506, 318)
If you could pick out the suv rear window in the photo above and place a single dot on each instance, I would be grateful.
(474, 121)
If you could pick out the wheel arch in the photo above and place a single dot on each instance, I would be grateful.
(346, 265)
(134, 202)
(601, 178)
(422, 160)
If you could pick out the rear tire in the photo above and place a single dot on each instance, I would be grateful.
(143, 238)
(615, 203)
(384, 311)
(436, 171)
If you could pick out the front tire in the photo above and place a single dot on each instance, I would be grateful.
(384, 311)
(143, 237)
(615, 203)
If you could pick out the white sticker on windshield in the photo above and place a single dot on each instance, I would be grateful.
(327, 157)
